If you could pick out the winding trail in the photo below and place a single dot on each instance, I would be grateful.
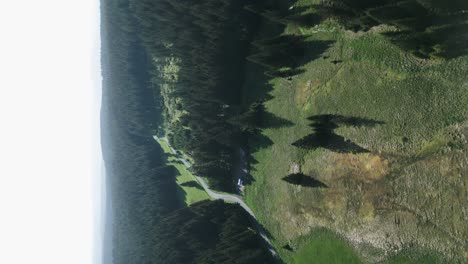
(228, 198)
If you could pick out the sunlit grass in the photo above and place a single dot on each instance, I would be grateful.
(325, 247)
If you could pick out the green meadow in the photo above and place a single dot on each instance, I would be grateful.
(396, 171)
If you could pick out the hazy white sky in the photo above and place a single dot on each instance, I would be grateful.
(48, 115)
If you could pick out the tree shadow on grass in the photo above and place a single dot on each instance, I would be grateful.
(256, 142)
(429, 28)
(323, 135)
(256, 117)
(193, 184)
(270, 120)
(447, 42)
(279, 55)
(304, 180)
(284, 55)
(166, 181)
(170, 155)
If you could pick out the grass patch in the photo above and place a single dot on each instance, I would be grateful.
(324, 247)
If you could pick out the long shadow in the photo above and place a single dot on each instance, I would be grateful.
(256, 142)
(448, 42)
(323, 135)
(166, 176)
(304, 180)
(430, 28)
(284, 55)
(256, 117)
(270, 120)
(193, 184)
(170, 155)
(276, 55)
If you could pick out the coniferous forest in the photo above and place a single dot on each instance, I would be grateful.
(199, 80)
(149, 223)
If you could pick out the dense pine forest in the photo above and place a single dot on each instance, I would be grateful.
(140, 186)
(149, 221)
(199, 81)
(209, 232)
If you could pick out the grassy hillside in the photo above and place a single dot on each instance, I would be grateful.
(393, 125)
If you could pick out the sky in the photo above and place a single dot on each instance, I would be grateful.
(50, 159)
